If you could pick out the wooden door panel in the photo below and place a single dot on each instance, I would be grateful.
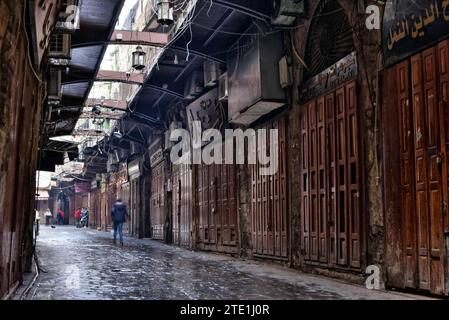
(331, 177)
(421, 172)
(331, 211)
(443, 66)
(269, 201)
(218, 208)
(321, 181)
(342, 205)
(407, 173)
(305, 183)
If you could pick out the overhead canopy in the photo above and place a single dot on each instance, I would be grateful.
(101, 70)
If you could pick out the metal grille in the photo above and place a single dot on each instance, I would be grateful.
(57, 43)
(330, 37)
(157, 205)
(182, 205)
(217, 204)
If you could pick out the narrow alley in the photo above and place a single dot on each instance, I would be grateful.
(81, 264)
(244, 149)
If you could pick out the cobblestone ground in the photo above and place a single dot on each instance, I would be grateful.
(84, 264)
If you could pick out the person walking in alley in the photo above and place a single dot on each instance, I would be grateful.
(37, 219)
(78, 217)
(60, 217)
(119, 215)
(48, 217)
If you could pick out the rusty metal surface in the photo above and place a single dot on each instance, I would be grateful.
(134, 207)
(269, 209)
(182, 205)
(157, 201)
(217, 207)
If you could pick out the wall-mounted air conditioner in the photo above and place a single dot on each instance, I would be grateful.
(223, 87)
(194, 85)
(59, 51)
(212, 71)
(254, 83)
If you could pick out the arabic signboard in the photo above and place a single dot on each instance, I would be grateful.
(412, 25)
(337, 74)
(134, 169)
(208, 110)
(156, 157)
(44, 14)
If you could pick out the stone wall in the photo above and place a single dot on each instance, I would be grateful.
(20, 120)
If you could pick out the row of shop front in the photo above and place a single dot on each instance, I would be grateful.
(363, 166)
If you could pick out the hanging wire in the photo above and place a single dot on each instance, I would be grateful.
(23, 23)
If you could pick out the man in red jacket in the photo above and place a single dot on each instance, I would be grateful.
(78, 217)
(60, 217)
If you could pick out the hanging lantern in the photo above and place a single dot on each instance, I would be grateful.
(139, 58)
(164, 12)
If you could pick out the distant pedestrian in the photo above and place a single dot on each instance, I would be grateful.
(85, 217)
(37, 219)
(60, 217)
(119, 215)
(78, 217)
(48, 217)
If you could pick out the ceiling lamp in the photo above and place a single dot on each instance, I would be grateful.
(118, 134)
(164, 12)
(139, 58)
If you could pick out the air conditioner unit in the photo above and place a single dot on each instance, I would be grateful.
(54, 85)
(223, 87)
(60, 46)
(194, 85)
(285, 12)
(69, 17)
(212, 71)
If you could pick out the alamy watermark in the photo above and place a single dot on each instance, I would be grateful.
(73, 279)
(373, 280)
(372, 22)
(262, 147)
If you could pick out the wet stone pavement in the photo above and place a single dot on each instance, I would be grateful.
(84, 264)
